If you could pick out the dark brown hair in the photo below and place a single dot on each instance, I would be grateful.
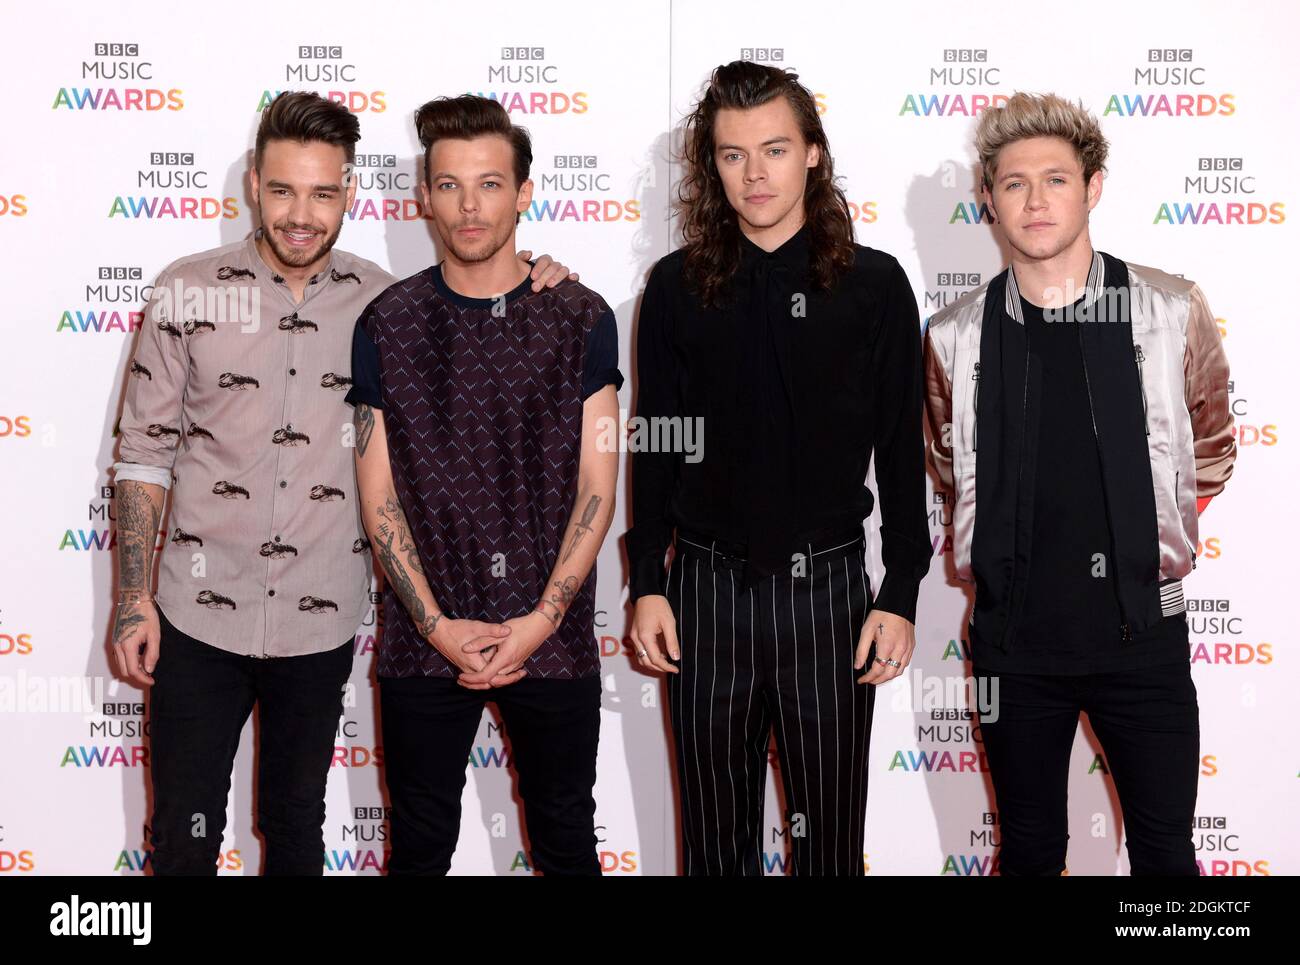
(711, 227)
(467, 117)
(303, 116)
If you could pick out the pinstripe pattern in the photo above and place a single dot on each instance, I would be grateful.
(797, 673)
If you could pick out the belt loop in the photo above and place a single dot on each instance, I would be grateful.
(712, 544)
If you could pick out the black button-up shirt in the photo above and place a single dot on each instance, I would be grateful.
(795, 388)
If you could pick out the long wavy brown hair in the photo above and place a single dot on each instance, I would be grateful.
(711, 227)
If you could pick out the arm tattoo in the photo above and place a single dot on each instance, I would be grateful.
(395, 542)
(564, 593)
(364, 420)
(582, 527)
(137, 529)
(128, 618)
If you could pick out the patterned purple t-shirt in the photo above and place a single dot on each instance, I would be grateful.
(482, 402)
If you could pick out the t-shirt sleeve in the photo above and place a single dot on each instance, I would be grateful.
(365, 368)
(600, 367)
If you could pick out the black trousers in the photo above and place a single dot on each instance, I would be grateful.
(779, 654)
(553, 727)
(198, 704)
(1147, 723)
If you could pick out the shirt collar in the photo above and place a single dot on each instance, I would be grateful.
(793, 251)
(1091, 292)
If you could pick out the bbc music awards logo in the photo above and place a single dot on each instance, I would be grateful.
(385, 188)
(981, 860)
(1220, 635)
(324, 70)
(948, 287)
(100, 536)
(364, 838)
(116, 738)
(1220, 191)
(523, 81)
(1170, 84)
(171, 186)
(124, 65)
(964, 84)
(578, 188)
(110, 302)
(1219, 852)
(947, 733)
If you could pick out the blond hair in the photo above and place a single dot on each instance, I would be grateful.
(1040, 115)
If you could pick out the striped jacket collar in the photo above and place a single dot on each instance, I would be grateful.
(1092, 290)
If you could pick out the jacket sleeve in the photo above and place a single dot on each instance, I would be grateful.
(938, 413)
(156, 380)
(1205, 373)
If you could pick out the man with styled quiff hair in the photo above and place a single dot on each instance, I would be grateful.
(1096, 445)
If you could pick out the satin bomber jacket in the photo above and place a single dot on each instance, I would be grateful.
(1158, 370)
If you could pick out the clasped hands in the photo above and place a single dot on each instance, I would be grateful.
(487, 654)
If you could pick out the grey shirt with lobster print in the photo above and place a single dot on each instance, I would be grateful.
(235, 403)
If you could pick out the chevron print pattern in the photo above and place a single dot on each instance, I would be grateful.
(484, 420)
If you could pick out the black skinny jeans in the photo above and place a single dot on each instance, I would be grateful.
(198, 704)
(553, 728)
(1148, 725)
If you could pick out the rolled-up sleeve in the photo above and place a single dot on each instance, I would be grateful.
(150, 429)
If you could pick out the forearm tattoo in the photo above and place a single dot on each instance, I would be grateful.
(137, 529)
(399, 558)
(364, 420)
(582, 527)
(559, 599)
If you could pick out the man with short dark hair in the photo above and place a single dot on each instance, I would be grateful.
(479, 406)
(235, 404)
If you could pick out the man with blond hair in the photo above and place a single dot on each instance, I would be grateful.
(1090, 397)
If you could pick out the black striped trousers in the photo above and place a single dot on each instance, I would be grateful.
(779, 654)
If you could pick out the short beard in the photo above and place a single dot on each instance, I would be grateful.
(298, 259)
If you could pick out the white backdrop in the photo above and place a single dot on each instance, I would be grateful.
(105, 141)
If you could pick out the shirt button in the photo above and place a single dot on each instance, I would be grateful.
(277, 539)
(283, 484)
(293, 371)
(270, 592)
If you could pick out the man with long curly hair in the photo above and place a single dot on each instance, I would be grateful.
(799, 352)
